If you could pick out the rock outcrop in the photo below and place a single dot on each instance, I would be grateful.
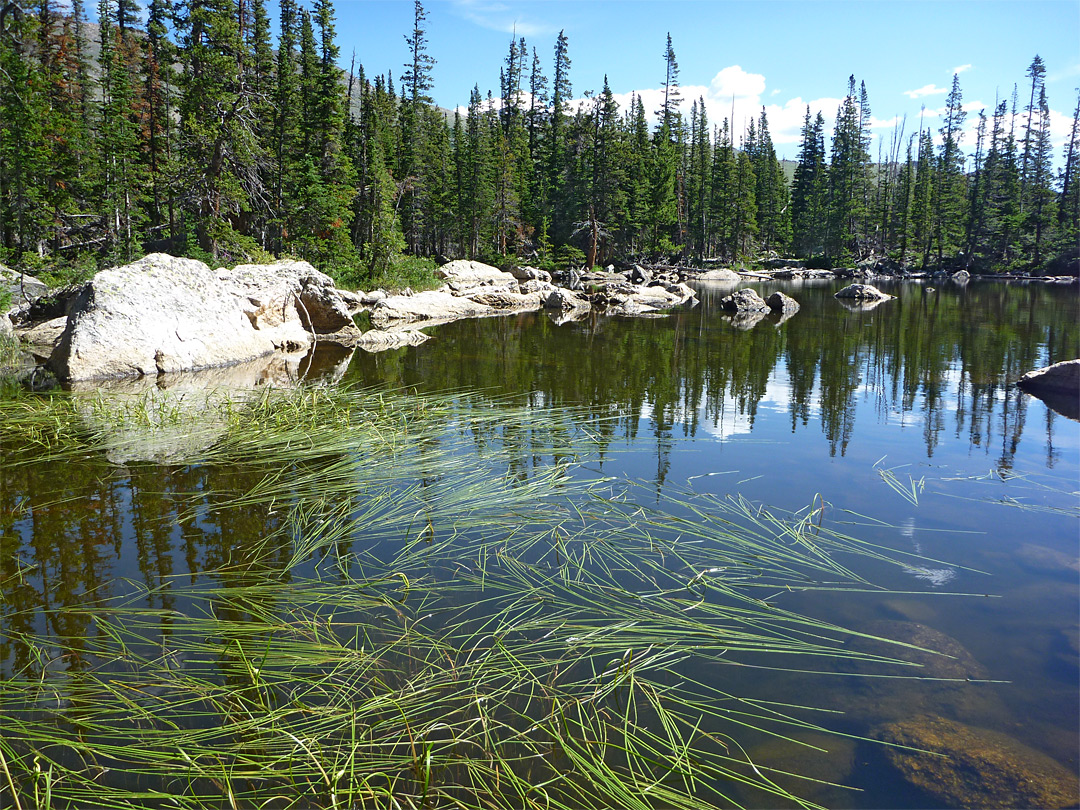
(621, 298)
(462, 275)
(163, 314)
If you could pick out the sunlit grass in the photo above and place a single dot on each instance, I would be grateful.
(459, 621)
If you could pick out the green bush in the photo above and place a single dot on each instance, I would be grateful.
(415, 272)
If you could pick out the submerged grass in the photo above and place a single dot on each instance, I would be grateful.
(439, 613)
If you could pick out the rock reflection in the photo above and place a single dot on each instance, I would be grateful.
(172, 418)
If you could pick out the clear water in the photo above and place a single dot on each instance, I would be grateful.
(831, 404)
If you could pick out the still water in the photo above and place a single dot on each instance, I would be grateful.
(901, 417)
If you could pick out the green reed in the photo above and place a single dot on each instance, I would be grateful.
(462, 619)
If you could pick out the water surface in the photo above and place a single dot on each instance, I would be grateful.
(903, 418)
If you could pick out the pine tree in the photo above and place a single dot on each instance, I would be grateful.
(637, 168)
(672, 96)
(416, 86)
(1069, 204)
(322, 217)
(770, 193)
(949, 191)
(922, 210)
(848, 177)
(700, 171)
(744, 205)
(810, 188)
(1037, 73)
(1040, 193)
(724, 201)
(561, 93)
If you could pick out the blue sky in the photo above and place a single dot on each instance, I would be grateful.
(783, 55)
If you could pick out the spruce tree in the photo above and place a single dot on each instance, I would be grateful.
(416, 86)
(561, 93)
(949, 188)
(1069, 204)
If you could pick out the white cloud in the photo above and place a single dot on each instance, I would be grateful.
(961, 69)
(926, 90)
(734, 81)
(499, 16)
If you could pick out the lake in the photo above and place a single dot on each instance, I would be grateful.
(898, 426)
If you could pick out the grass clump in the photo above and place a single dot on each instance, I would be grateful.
(434, 613)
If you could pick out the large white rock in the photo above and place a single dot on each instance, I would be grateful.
(461, 275)
(163, 314)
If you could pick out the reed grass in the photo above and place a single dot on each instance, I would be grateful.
(463, 619)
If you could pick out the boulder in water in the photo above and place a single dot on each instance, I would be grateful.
(863, 292)
(745, 300)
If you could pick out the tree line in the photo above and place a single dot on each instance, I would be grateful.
(190, 132)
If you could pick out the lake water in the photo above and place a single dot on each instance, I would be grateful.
(903, 418)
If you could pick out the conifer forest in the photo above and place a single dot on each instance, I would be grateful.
(211, 131)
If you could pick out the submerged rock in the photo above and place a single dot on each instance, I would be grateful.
(1044, 558)
(162, 314)
(934, 674)
(963, 766)
(810, 765)
(863, 292)
(745, 300)
(934, 654)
